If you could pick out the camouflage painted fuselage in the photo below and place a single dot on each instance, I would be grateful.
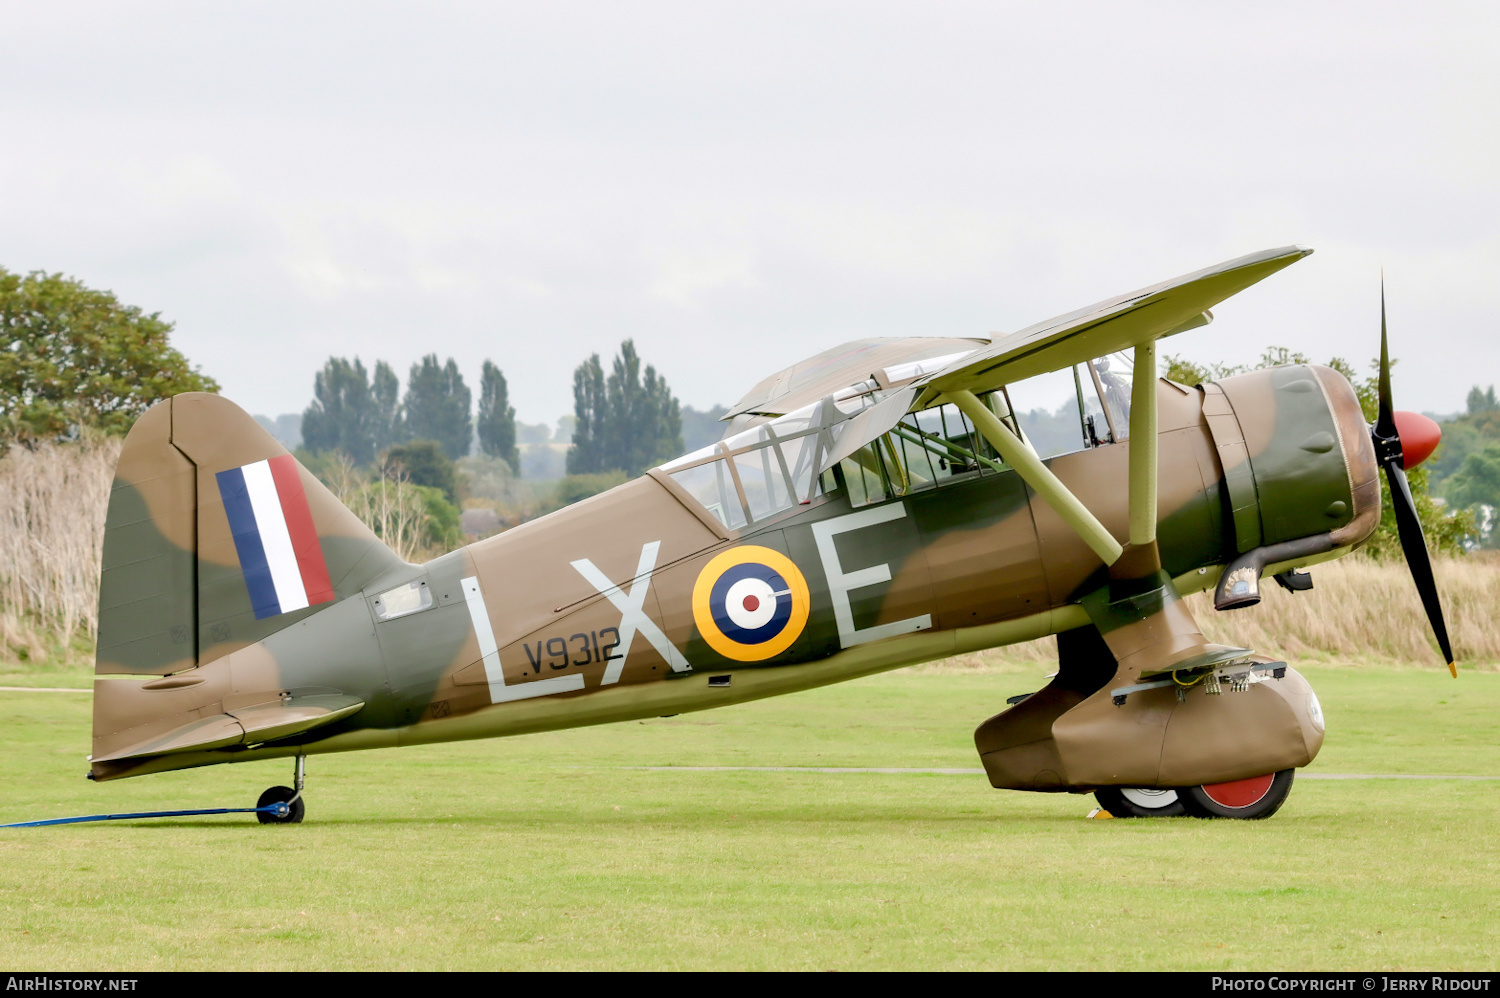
(614, 608)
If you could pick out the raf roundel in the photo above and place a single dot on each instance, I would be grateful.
(750, 603)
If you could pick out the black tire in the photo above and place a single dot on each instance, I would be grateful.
(1257, 797)
(280, 795)
(1141, 802)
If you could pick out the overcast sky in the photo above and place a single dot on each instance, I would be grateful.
(737, 186)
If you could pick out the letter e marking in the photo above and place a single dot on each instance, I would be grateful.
(840, 583)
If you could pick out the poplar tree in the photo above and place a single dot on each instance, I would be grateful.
(341, 415)
(438, 406)
(1481, 401)
(628, 422)
(591, 413)
(497, 418)
(386, 426)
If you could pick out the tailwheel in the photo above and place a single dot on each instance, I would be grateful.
(1257, 797)
(295, 809)
(1141, 802)
(291, 813)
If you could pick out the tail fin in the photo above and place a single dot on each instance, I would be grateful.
(216, 538)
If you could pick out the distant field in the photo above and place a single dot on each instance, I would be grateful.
(547, 852)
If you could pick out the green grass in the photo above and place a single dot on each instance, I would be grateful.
(76, 673)
(546, 852)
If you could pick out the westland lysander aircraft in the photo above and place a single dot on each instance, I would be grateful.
(886, 502)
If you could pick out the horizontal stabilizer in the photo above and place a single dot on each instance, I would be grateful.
(270, 721)
(263, 722)
(197, 735)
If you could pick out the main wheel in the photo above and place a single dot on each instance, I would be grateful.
(1257, 797)
(280, 795)
(1140, 802)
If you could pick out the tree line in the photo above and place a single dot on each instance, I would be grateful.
(364, 416)
(625, 421)
(1466, 466)
(75, 362)
(628, 421)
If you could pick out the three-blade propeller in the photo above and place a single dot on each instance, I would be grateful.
(1386, 434)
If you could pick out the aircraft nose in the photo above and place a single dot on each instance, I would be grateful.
(1419, 437)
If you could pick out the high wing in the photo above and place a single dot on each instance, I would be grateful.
(980, 364)
(1136, 320)
(871, 384)
(839, 367)
(1125, 321)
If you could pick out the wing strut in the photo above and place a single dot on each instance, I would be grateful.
(1143, 447)
(1036, 474)
(1143, 463)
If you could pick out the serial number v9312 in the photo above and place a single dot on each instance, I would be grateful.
(582, 648)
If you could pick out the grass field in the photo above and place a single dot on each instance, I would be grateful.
(548, 851)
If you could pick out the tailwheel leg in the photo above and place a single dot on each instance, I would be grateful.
(1257, 797)
(283, 805)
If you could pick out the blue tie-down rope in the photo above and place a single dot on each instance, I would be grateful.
(279, 809)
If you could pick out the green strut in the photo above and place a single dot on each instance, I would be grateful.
(1143, 446)
(1036, 474)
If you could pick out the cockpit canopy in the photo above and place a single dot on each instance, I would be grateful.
(864, 441)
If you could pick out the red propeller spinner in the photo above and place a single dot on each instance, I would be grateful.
(1419, 437)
